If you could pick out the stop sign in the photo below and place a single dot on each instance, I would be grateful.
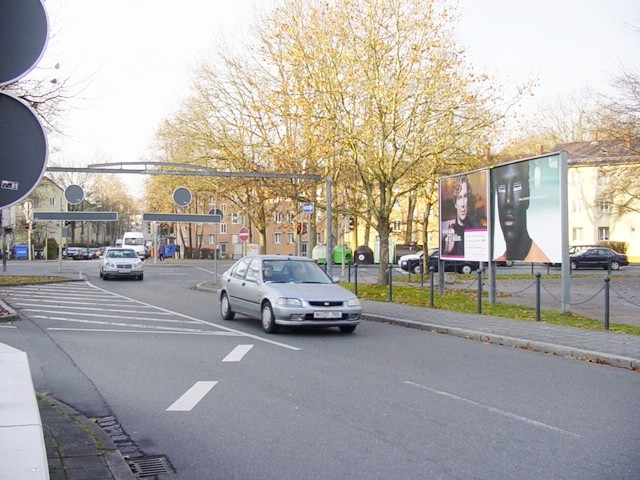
(243, 234)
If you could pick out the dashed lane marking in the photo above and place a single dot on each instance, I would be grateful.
(191, 397)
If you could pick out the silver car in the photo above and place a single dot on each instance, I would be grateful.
(121, 262)
(286, 290)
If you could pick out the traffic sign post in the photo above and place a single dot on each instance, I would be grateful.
(243, 235)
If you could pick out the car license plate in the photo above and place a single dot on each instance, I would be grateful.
(331, 314)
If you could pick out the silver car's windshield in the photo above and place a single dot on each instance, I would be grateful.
(293, 271)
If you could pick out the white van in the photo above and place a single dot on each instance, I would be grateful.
(135, 240)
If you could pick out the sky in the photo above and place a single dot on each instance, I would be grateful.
(137, 55)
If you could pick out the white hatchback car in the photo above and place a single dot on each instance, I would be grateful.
(121, 262)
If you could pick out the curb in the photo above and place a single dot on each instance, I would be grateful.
(571, 352)
(104, 444)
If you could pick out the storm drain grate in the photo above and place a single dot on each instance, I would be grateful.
(150, 467)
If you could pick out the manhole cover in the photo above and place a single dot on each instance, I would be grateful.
(150, 467)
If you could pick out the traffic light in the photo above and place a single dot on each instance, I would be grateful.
(298, 228)
(352, 223)
(26, 225)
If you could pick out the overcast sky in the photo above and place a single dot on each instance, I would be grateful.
(139, 54)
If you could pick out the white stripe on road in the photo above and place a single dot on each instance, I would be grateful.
(529, 421)
(191, 397)
(237, 353)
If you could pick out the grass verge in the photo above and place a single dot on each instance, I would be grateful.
(465, 301)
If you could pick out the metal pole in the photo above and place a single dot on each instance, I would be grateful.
(432, 275)
(538, 296)
(328, 224)
(606, 302)
(390, 276)
(479, 305)
(355, 280)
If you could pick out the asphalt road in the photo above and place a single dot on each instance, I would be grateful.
(223, 400)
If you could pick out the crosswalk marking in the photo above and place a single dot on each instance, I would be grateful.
(191, 397)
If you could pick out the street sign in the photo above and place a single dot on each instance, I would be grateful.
(181, 217)
(74, 194)
(23, 149)
(77, 216)
(243, 234)
(24, 30)
(182, 196)
(307, 207)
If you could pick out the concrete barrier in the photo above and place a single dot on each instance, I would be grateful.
(23, 453)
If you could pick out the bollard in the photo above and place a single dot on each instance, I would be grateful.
(479, 306)
(538, 296)
(355, 279)
(606, 302)
(432, 275)
(390, 275)
(422, 276)
(349, 272)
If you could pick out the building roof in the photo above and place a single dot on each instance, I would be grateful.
(601, 152)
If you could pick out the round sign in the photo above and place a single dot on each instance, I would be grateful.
(23, 149)
(243, 234)
(216, 211)
(74, 194)
(182, 196)
(24, 30)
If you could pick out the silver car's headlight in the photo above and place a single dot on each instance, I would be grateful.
(137, 264)
(353, 302)
(110, 266)
(289, 302)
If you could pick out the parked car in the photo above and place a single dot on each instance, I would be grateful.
(82, 254)
(598, 257)
(121, 263)
(286, 290)
(413, 263)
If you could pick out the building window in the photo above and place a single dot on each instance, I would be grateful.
(576, 179)
(234, 218)
(52, 201)
(577, 206)
(603, 233)
(223, 249)
(603, 179)
(277, 217)
(223, 207)
(290, 238)
(396, 225)
(223, 228)
(577, 234)
(277, 238)
(604, 206)
(212, 238)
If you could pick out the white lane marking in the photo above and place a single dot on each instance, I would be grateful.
(237, 353)
(99, 309)
(117, 324)
(191, 397)
(8, 326)
(244, 334)
(526, 420)
(152, 332)
(127, 317)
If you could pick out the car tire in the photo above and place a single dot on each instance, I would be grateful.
(269, 324)
(101, 274)
(574, 266)
(105, 277)
(615, 266)
(466, 269)
(417, 269)
(225, 308)
(141, 277)
(347, 328)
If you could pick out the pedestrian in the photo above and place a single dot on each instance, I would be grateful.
(161, 252)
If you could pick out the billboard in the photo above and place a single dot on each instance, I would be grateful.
(464, 219)
(527, 204)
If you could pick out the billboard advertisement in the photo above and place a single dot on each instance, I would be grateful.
(464, 233)
(527, 206)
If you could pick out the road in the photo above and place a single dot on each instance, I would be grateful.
(224, 400)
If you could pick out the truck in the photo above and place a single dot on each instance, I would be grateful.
(135, 240)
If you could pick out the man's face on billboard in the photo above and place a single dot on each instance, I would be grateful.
(461, 202)
(512, 189)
